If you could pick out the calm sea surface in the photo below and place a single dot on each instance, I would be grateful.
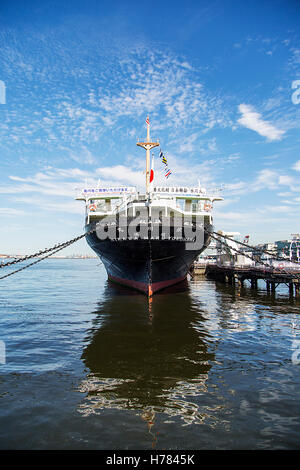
(92, 366)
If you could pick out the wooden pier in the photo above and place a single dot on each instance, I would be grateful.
(236, 275)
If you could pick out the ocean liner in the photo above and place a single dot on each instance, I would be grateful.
(148, 241)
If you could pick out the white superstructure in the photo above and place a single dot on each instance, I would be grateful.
(171, 200)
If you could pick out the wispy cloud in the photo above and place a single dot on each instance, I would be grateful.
(296, 166)
(77, 98)
(12, 212)
(253, 120)
(162, 86)
(75, 107)
(265, 179)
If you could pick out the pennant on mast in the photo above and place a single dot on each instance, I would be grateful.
(165, 161)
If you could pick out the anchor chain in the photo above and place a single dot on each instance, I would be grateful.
(58, 247)
(35, 262)
(278, 258)
(267, 265)
(49, 252)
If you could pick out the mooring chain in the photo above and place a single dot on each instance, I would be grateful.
(267, 265)
(294, 276)
(47, 250)
(279, 258)
(50, 252)
(58, 247)
(37, 261)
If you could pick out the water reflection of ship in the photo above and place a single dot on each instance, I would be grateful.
(148, 366)
(227, 307)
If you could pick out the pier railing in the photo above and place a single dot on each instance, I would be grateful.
(273, 271)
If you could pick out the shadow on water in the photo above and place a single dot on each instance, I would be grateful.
(146, 356)
(199, 353)
(202, 364)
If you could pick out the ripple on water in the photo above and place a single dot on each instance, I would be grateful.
(90, 365)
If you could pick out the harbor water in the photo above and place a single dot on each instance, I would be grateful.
(86, 364)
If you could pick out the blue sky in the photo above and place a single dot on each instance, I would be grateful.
(215, 77)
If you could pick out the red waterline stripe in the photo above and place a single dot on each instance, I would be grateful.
(142, 286)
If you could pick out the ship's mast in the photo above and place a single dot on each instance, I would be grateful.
(148, 145)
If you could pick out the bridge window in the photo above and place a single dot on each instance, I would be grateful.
(195, 205)
(180, 203)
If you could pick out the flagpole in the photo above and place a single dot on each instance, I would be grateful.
(148, 156)
(148, 145)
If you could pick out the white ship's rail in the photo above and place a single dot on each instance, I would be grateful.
(171, 200)
(112, 200)
(166, 208)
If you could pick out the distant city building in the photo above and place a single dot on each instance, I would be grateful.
(289, 249)
(283, 248)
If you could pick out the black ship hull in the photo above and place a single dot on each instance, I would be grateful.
(146, 265)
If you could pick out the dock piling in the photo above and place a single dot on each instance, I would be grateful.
(236, 275)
